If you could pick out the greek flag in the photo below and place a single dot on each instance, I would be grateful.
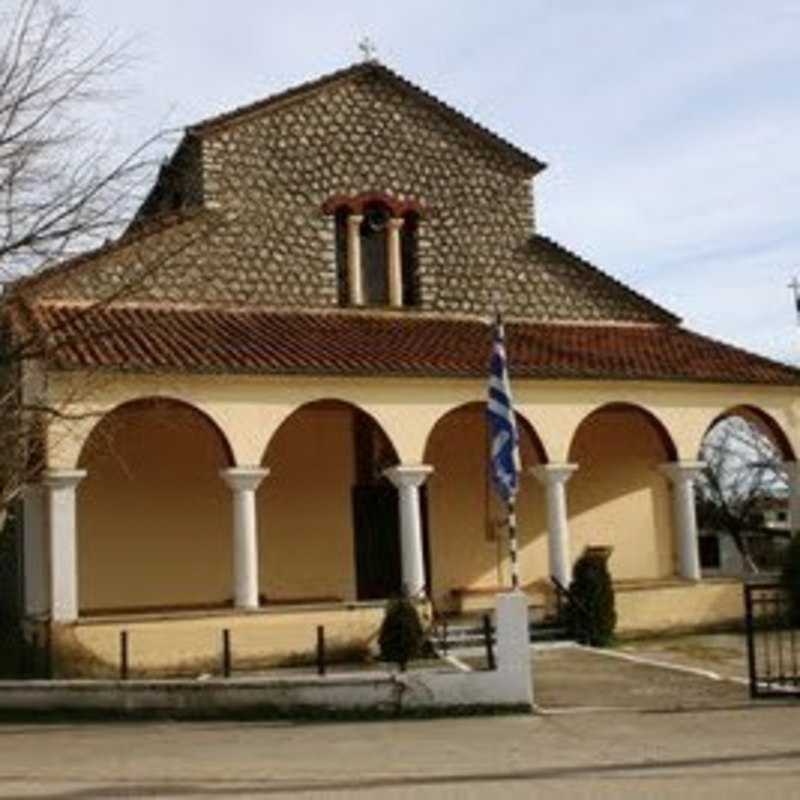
(503, 436)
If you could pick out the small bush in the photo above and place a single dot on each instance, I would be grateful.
(790, 578)
(591, 614)
(401, 638)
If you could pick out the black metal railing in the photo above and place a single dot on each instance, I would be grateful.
(773, 641)
(31, 659)
(477, 633)
(570, 612)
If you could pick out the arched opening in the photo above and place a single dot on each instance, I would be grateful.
(618, 497)
(409, 244)
(742, 495)
(328, 518)
(763, 424)
(374, 254)
(467, 533)
(371, 231)
(342, 280)
(154, 516)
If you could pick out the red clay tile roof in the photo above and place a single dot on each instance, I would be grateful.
(152, 339)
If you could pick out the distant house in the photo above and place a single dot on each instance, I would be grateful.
(775, 512)
(275, 383)
(719, 555)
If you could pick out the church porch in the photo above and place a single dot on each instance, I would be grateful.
(156, 520)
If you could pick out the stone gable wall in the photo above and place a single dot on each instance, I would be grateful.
(276, 171)
(179, 183)
(265, 179)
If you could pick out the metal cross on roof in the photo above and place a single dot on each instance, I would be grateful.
(368, 49)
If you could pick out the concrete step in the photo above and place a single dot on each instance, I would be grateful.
(465, 636)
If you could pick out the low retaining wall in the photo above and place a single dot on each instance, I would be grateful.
(191, 644)
(508, 686)
(679, 606)
(201, 698)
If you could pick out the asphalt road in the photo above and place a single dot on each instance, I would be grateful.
(743, 752)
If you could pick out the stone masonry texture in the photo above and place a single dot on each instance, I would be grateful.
(247, 196)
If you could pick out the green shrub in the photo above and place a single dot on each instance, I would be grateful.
(401, 638)
(591, 614)
(790, 578)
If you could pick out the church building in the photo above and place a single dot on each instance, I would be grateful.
(274, 390)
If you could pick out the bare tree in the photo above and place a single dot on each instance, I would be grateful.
(743, 472)
(60, 188)
(62, 191)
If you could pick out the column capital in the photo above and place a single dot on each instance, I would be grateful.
(681, 471)
(243, 479)
(408, 474)
(355, 219)
(63, 478)
(395, 223)
(553, 473)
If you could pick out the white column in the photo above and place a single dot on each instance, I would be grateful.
(554, 477)
(408, 479)
(354, 276)
(792, 469)
(34, 551)
(395, 260)
(61, 513)
(244, 481)
(682, 475)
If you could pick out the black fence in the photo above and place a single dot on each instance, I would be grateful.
(773, 641)
(31, 658)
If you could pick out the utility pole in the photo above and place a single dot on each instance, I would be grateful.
(795, 287)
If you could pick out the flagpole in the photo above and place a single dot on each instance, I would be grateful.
(511, 522)
(512, 542)
(504, 440)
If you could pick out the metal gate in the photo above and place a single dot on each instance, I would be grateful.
(773, 641)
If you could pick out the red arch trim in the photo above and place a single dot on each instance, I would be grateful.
(330, 402)
(524, 425)
(670, 450)
(356, 204)
(762, 420)
(149, 402)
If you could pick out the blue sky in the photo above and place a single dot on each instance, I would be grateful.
(671, 129)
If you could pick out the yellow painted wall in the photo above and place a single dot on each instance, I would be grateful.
(154, 517)
(468, 544)
(304, 508)
(618, 497)
(249, 409)
(679, 607)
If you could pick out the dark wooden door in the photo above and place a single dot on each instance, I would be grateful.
(377, 542)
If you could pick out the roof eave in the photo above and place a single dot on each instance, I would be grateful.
(321, 372)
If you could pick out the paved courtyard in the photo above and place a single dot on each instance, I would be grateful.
(582, 678)
(723, 653)
(653, 733)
